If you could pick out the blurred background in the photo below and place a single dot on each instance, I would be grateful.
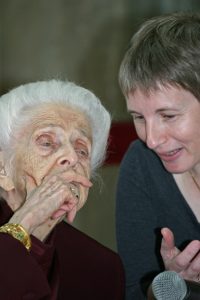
(83, 41)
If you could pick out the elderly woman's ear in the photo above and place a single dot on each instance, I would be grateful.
(6, 182)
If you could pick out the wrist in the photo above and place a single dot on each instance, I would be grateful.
(18, 232)
(24, 219)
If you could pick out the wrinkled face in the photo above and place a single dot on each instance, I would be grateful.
(168, 121)
(57, 138)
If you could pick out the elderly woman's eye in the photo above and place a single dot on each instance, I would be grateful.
(83, 152)
(45, 141)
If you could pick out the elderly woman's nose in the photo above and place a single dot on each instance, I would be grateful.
(69, 157)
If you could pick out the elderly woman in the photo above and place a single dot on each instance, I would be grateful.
(53, 136)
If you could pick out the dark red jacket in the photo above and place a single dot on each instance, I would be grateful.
(70, 265)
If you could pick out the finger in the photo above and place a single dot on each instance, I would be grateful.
(50, 188)
(65, 208)
(70, 176)
(188, 258)
(59, 213)
(68, 201)
(168, 237)
(71, 215)
(74, 177)
(168, 249)
(194, 268)
(30, 183)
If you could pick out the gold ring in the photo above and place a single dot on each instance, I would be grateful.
(74, 191)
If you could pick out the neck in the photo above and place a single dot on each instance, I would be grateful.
(195, 179)
(195, 171)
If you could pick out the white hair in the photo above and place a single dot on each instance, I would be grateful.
(29, 95)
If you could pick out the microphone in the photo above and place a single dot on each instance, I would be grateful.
(169, 285)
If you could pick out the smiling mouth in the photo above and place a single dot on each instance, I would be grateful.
(171, 153)
(75, 190)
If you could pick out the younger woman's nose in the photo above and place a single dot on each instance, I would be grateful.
(155, 136)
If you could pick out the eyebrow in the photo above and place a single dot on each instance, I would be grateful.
(157, 111)
(85, 133)
(79, 129)
(133, 112)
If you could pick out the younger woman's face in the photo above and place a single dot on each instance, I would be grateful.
(168, 121)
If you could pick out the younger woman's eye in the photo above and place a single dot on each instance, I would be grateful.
(138, 117)
(166, 116)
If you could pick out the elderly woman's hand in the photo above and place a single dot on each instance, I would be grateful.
(59, 195)
(186, 262)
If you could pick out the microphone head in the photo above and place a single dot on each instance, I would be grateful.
(169, 285)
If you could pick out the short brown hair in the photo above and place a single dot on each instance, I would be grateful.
(164, 51)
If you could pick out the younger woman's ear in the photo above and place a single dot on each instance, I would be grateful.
(6, 182)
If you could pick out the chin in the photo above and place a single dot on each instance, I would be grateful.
(176, 169)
